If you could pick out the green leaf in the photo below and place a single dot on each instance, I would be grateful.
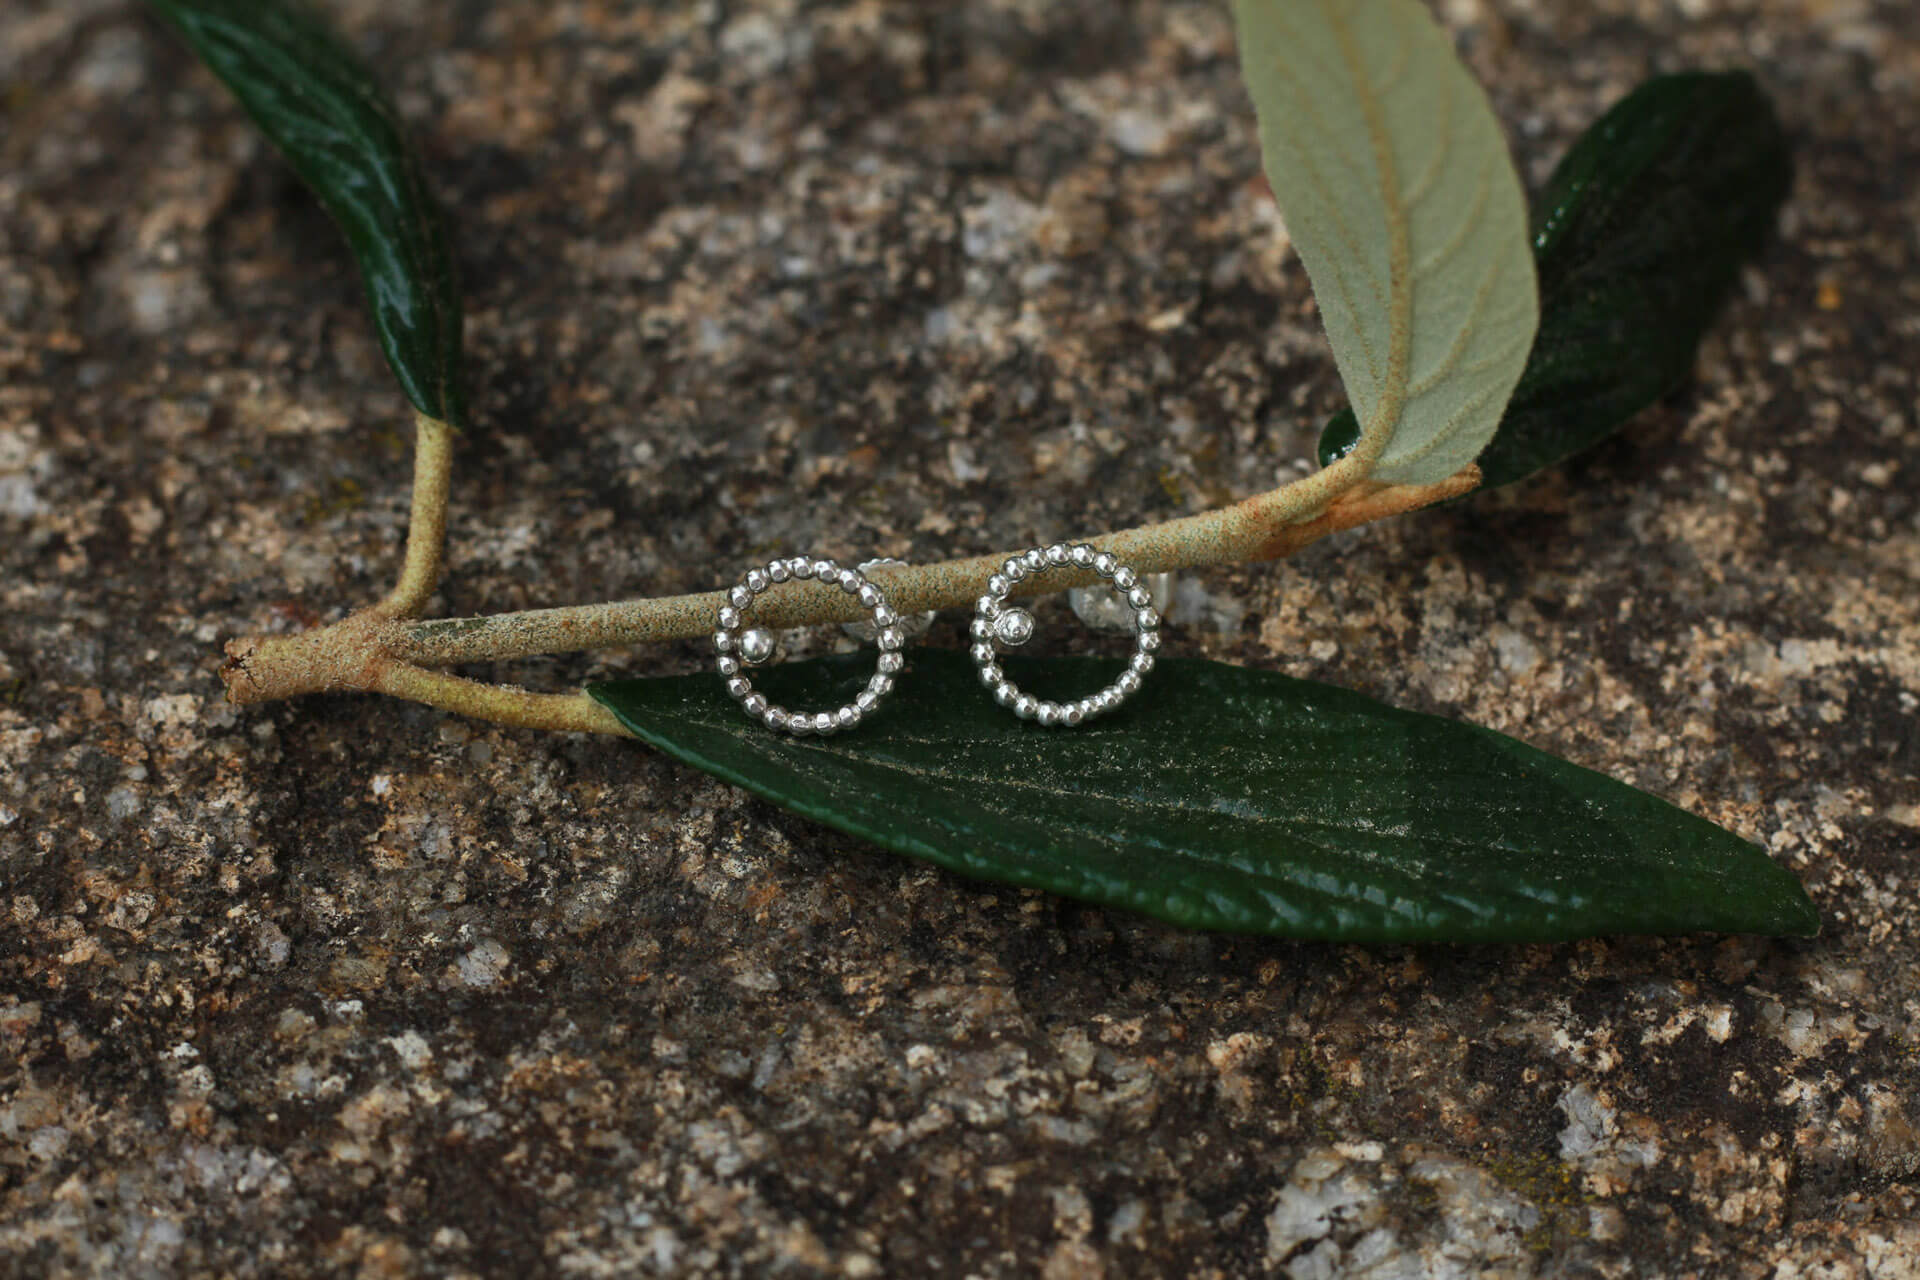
(1224, 798)
(1401, 199)
(1339, 437)
(1638, 238)
(312, 96)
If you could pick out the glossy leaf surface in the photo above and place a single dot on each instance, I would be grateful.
(1638, 238)
(1403, 203)
(1230, 799)
(323, 109)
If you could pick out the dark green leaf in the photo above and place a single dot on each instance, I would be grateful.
(1231, 799)
(1339, 437)
(1638, 236)
(313, 97)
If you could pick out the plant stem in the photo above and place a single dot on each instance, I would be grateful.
(427, 529)
(502, 704)
(385, 649)
(1260, 528)
(354, 654)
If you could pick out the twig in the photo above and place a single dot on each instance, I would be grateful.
(384, 649)
(1250, 530)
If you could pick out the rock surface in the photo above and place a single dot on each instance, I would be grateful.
(352, 987)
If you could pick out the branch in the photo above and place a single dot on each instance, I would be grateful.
(355, 655)
(383, 649)
(1273, 524)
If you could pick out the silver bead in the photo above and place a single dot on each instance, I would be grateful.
(757, 581)
(1005, 694)
(729, 617)
(987, 606)
(849, 581)
(825, 569)
(983, 655)
(1104, 564)
(1140, 598)
(740, 597)
(866, 700)
(823, 722)
(991, 675)
(881, 685)
(846, 718)
(755, 704)
(727, 665)
(756, 647)
(870, 596)
(739, 686)
(1081, 554)
(883, 616)
(1072, 714)
(800, 567)
(778, 571)
(1128, 684)
(1056, 554)
(1014, 570)
(723, 642)
(998, 585)
(1013, 627)
(1048, 714)
(890, 639)
(1024, 706)
(774, 718)
(1124, 578)
(1035, 560)
(1147, 641)
(981, 629)
(1146, 620)
(1141, 663)
(891, 663)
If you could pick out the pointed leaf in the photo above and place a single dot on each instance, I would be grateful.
(1399, 194)
(1639, 236)
(323, 109)
(1224, 798)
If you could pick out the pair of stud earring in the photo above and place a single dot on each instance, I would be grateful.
(995, 623)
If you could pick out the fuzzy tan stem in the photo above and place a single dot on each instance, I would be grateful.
(354, 655)
(1256, 529)
(502, 704)
(379, 650)
(330, 659)
(427, 529)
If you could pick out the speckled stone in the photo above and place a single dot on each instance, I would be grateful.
(350, 987)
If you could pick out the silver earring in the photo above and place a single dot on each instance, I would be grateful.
(737, 649)
(995, 623)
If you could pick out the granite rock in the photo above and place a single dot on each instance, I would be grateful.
(351, 987)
